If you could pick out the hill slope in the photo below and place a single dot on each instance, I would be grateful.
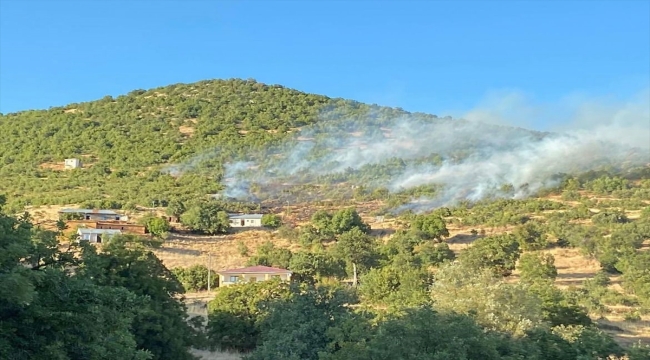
(126, 141)
(183, 141)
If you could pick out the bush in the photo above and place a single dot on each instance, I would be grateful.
(242, 249)
(537, 267)
(271, 220)
(195, 278)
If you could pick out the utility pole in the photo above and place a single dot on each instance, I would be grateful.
(209, 264)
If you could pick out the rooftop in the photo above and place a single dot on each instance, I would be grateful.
(98, 231)
(88, 211)
(255, 270)
(245, 216)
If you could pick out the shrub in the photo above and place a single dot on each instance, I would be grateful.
(195, 278)
(271, 220)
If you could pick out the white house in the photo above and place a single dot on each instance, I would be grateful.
(95, 214)
(252, 274)
(72, 163)
(96, 235)
(245, 220)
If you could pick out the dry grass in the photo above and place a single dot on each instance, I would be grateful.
(57, 166)
(186, 130)
(188, 250)
(628, 332)
(572, 267)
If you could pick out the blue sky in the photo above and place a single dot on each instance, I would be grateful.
(431, 56)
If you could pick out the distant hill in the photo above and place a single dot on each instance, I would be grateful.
(149, 146)
(124, 141)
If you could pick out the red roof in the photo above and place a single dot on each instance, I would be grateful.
(255, 270)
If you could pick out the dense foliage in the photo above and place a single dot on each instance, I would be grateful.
(80, 303)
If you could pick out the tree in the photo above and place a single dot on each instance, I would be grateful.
(237, 311)
(160, 326)
(498, 252)
(311, 266)
(422, 333)
(531, 236)
(358, 249)
(195, 278)
(322, 223)
(157, 226)
(400, 287)
(207, 217)
(537, 267)
(175, 208)
(430, 226)
(46, 312)
(271, 220)
(345, 220)
(495, 304)
(299, 328)
(432, 254)
(269, 255)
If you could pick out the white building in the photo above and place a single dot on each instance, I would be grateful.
(72, 163)
(252, 274)
(96, 235)
(245, 220)
(94, 214)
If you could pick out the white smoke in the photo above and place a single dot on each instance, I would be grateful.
(479, 154)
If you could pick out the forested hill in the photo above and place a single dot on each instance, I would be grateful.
(124, 142)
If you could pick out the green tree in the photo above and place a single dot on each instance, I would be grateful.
(432, 254)
(195, 278)
(422, 333)
(46, 312)
(495, 304)
(299, 328)
(498, 253)
(430, 226)
(346, 220)
(537, 267)
(399, 287)
(161, 325)
(206, 217)
(358, 249)
(237, 311)
(269, 255)
(312, 266)
(531, 236)
(157, 226)
(175, 208)
(271, 220)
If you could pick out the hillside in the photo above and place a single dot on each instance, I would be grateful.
(124, 142)
(512, 241)
(132, 146)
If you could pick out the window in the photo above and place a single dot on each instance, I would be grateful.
(234, 279)
(275, 276)
(252, 279)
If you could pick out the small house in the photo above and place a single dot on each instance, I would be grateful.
(245, 220)
(97, 235)
(71, 163)
(252, 274)
(88, 214)
(122, 226)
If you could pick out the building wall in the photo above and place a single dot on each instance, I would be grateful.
(246, 222)
(93, 237)
(71, 163)
(127, 228)
(102, 217)
(225, 280)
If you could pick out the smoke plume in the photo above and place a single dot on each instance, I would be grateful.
(468, 158)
